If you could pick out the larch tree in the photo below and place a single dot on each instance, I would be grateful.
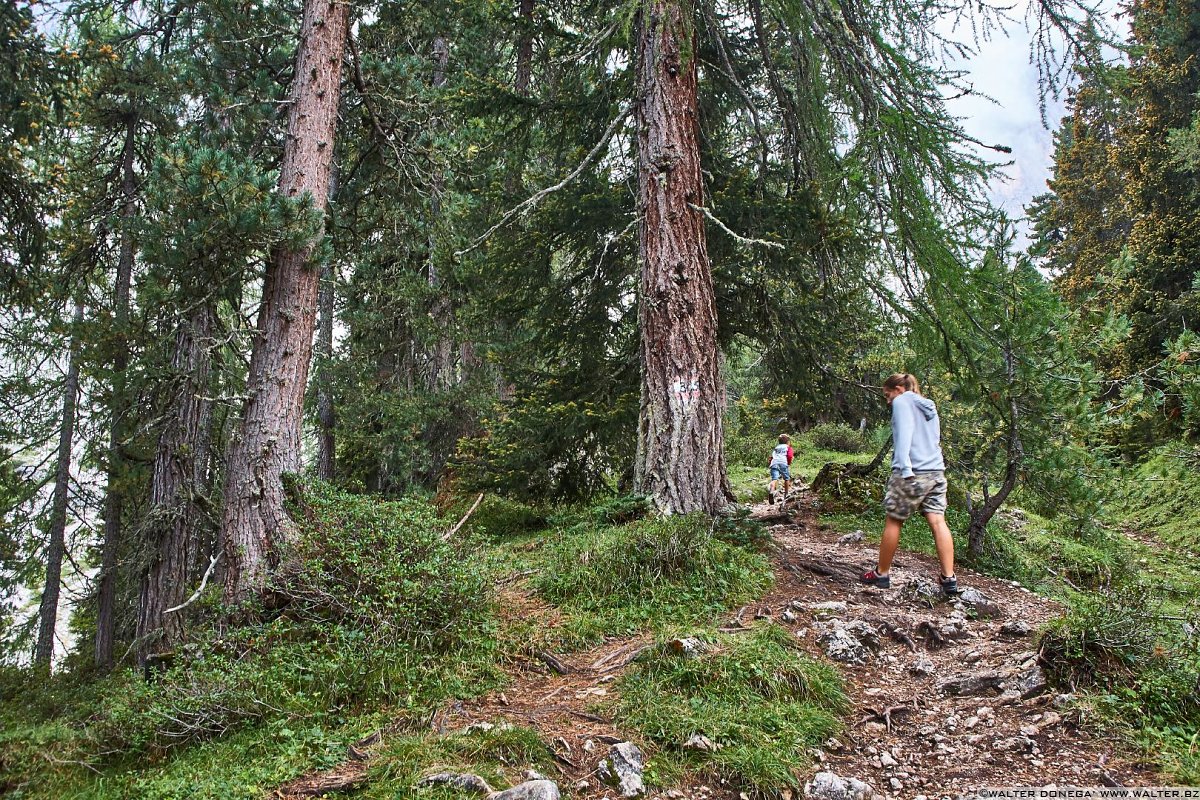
(267, 446)
(680, 457)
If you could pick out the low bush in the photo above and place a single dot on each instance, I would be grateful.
(838, 437)
(755, 695)
(1141, 661)
(498, 518)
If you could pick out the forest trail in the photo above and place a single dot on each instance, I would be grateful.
(945, 700)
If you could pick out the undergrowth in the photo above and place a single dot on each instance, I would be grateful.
(375, 610)
(651, 574)
(761, 701)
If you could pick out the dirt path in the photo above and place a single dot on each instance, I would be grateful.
(958, 721)
(945, 701)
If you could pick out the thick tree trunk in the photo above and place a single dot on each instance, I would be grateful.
(268, 445)
(114, 500)
(176, 516)
(680, 461)
(43, 651)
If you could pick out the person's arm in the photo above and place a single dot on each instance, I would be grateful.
(789, 455)
(902, 434)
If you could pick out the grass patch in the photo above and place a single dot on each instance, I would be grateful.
(756, 695)
(653, 574)
(499, 756)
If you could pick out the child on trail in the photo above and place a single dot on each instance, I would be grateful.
(918, 480)
(781, 460)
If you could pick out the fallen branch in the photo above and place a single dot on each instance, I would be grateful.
(203, 583)
(553, 663)
(896, 635)
(446, 536)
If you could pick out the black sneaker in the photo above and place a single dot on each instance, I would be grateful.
(873, 578)
(770, 497)
(949, 585)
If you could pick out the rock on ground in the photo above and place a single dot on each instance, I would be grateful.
(466, 782)
(529, 790)
(622, 769)
(828, 786)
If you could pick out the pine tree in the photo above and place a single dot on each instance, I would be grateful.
(254, 520)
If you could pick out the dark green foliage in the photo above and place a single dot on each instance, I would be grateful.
(755, 694)
(498, 518)
(541, 449)
(842, 438)
(383, 568)
(623, 509)
(740, 529)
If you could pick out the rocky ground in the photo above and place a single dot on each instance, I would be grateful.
(948, 696)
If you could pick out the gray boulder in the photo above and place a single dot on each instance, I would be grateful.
(622, 769)
(529, 790)
(828, 786)
(1030, 682)
(978, 602)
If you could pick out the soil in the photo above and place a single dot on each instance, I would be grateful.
(942, 734)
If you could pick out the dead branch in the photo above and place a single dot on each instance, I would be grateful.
(198, 592)
(448, 534)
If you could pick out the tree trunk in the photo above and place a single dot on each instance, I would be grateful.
(326, 445)
(254, 521)
(43, 651)
(680, 462)
(114, 501)
(524, 49)
(1014, 460)
(176, 516)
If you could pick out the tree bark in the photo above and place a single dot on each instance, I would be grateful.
(1015, 457)
(680, 461)
(326, 444)
(114, 500)
(177, 488)
(524, 49)
(255, 522)
(43, 651)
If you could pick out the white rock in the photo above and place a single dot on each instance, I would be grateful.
(828, 786)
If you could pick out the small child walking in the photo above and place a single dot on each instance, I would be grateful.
(781, 460)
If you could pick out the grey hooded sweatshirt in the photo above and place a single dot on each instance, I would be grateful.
(916, 435)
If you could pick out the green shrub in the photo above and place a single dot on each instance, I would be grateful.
(622, 509)
(384, 570)
(838, 437)
(498, 518)
(1142, 663)
(755, 695)
(742, 530)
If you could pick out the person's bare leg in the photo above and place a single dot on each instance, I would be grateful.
(787, 486)
(943, 540)
(888, 545)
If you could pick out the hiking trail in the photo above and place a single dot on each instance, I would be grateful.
(946, 698)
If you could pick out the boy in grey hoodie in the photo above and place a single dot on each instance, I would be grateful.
(918, 480)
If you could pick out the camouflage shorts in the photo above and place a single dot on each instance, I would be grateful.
(924, 491)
